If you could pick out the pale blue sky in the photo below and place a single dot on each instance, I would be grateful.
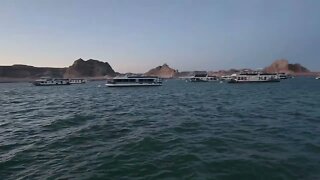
(136, 35)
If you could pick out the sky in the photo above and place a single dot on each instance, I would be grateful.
(136, 35)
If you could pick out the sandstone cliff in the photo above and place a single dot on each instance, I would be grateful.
(283, 66)
(163, 71)
(89, 68)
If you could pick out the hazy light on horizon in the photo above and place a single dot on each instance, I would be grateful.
(134, 36)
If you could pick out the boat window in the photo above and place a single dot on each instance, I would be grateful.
(146, 80)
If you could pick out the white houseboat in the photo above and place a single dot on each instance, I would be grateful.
(226, 78)
(212, 78)
(77, 81)
(203, 78)
(134, 81)
(318, 77)
(44, 81)
(284, 76)
(254, 77)
(199, 78)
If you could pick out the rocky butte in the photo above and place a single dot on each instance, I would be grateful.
(283, 66)
(89, 68)
(163, 71)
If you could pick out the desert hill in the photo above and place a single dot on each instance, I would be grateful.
(283, 66)
(79, 69)
(163, 71)
(89, 68)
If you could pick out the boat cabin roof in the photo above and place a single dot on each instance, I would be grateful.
(52, 79)
(61, 79)
(200, 75)
(256, 74)
(137, 77)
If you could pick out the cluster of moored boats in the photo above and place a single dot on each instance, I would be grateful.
(131, 81)
(244, 77)
(252, 77)
(46, 81)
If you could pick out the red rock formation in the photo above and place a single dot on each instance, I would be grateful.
(283, 66)
(89, 68)
(163, 71)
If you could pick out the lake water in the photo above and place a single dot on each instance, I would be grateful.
(177, 131)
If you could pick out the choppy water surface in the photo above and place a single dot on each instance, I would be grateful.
(177, 131)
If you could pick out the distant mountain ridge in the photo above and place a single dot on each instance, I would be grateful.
(79, 69)
(278, 66)
(25, 71)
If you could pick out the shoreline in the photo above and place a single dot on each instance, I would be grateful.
(29, 80)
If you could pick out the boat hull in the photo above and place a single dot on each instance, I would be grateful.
(132, 85)
(78, 83)
(199, 81)
(240, 82)
(37, 84)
